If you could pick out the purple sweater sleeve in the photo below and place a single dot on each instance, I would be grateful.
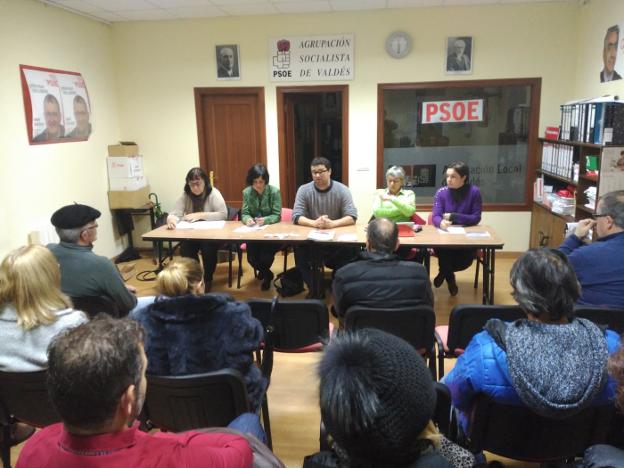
(466, 212)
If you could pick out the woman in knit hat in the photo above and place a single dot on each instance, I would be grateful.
(377, 400)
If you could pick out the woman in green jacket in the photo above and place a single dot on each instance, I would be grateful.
(262, 204)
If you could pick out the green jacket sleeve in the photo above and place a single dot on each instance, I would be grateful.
(245, 214)
(276, 207)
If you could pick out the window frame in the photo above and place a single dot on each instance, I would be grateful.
(535, 85)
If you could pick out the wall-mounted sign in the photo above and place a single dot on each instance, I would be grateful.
(452, 111)
(311, 58)
(56, 104)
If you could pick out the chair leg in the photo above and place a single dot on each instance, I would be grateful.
(239, 253)
(266, 421)
(285, 253)
(476, 280)
(6, 446)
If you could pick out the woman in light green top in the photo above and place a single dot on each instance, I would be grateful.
(395, 203)
(262, 204)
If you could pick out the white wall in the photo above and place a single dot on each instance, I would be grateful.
(36, 180)
(160, 63)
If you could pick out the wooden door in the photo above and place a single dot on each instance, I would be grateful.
(231, 134)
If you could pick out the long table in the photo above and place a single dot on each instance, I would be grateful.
(288, 233)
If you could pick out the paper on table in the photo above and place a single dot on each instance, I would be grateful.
(456, 230)
(478, 234)
(200, 225)
(320, 235)
(255, 227)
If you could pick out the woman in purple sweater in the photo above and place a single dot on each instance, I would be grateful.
(457, 203)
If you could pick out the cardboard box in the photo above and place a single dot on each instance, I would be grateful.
(127, 183)
(125, 166)
(128, 199)
(125, 148)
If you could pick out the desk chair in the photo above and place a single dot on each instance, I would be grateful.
(465, 321)
(517, 432)
(294, 326)
(23, 398)
(93, 305)
(211, 399)
(414, 324)
(613, 319)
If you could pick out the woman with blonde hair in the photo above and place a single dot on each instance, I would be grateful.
(189, 332)
(32, 308)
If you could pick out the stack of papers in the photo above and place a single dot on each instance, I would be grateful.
(253, 228)
(320, 235)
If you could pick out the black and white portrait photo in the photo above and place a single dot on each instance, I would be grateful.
(459, 55)
(228, 62)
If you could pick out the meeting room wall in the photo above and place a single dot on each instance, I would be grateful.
(593, 21)
(36, 180)
(159, 63)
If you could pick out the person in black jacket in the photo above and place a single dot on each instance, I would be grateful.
(379, 278)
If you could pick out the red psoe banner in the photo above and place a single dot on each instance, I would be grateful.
(470, 110)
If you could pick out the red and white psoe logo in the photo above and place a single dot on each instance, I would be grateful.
(452, 111)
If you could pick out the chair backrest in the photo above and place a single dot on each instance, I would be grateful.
(418, 220)
(467, 320)
(442, 413)
(517, 432)
(287, 214)
(93, 305)
(24, 396)
(233, 213)
(180, 403)
(612, 318)
(414, 324)
(295, 324)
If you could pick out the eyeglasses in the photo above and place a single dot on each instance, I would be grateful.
(596, 215)
(319, 172)
(195, 183)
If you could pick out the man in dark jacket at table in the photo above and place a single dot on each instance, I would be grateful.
(379, 278)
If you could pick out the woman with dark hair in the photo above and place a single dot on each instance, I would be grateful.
(262, 204)
(552, 362)
(458, 202)
(199, 202)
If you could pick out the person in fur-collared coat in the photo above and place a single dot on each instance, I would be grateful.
(188, 332)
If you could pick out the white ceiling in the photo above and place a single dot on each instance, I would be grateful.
(112, 11)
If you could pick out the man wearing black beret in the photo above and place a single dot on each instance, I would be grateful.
(84, 273)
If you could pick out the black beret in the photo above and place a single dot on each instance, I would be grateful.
(74, 216)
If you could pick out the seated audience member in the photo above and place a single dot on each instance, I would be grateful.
(551, 361)
(84, 273)
(262, 204)
(599, 266)
(606, 456)
(377, 399)
(32, 308)
(199, 202)
(458, 203)
(96, 381)
(189, 332)
(394, 202)
(323, 204)
(379, 278)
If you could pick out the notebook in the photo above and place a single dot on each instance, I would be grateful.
(406, 229)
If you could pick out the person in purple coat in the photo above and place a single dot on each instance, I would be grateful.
(458, 203)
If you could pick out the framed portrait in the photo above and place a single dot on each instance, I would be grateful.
(612, 55)
(228, 62)
(459, 55)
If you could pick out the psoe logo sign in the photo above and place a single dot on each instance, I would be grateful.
(452, 111)
(281, 60)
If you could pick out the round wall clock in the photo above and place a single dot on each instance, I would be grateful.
(398, 44)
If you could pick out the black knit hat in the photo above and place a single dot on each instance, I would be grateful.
(382, 376)
(74, 216)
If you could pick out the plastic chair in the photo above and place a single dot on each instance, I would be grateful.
(93, 305)
(465, 321)
(293, 326)
(211, 399)
(612, 318)
(23, 398)
(414, 324)
(517, 432)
